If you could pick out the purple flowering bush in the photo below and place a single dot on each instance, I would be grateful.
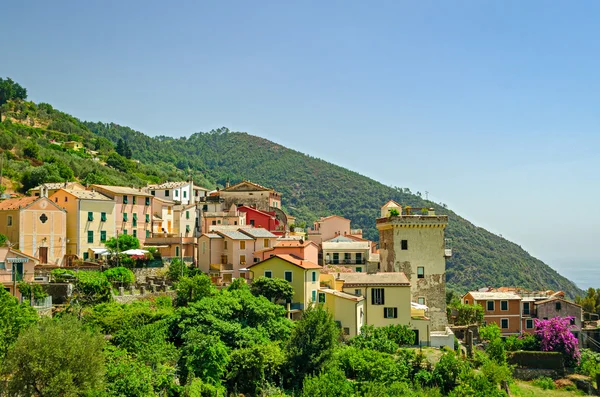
(555, 336)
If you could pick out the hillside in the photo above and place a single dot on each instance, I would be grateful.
(311, 187)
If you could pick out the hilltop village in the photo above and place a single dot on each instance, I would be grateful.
(241, 232)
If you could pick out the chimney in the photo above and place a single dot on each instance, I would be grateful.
(192, 193)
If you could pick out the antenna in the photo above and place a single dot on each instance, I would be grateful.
(426, 195)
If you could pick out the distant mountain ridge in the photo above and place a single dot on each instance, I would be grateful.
(311, 187)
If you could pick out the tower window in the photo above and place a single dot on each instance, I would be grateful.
(404, 244)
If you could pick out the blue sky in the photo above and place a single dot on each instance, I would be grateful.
(492, 107)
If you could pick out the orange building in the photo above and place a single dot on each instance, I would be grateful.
(35, 226)
(502, 308)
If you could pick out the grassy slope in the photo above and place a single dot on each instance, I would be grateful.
(312, 187)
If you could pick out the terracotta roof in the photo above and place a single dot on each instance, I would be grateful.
(22, 254)
(122, 190)
(333, 216)
(392, 201)
(16, 203)
(391, 279)
(212, 235)
(306, 265)
(294, 243)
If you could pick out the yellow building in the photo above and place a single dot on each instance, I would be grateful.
(301, 274)
(90, 220)
(387, 301)
(347, 310)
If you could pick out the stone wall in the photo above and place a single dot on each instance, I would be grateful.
(131, 298)
(142, 273)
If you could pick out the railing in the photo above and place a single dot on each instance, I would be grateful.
(43, 303)
(346, 261)
(297, 306)
(220, 267)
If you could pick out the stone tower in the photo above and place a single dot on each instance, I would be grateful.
(415, 245)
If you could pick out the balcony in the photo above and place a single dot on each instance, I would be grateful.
(346, 261)
(221, 267)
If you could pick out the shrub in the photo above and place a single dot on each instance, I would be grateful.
(545, 383)
(62, 275)
(448, 370)
(555, 336)
(495, 351)
(541, 360)
(490, 332)
(120, 275)
(589, 363)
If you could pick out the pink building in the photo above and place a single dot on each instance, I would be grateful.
(15, 266)
(133, 209)
(306, 250)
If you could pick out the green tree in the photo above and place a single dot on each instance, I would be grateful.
(56, 358)
(10, 90)
(274, 289)
(203, 356)
(490, 332)
(251, 369)
(31, 291)
(126, 376)
(31, 150)
(14, 318)
(177, 269)
(120, 275)
(118, 162)
(330, 383)
(311, 344)
(125, 242)
(3, 240)
(192, 289)
(468, 314)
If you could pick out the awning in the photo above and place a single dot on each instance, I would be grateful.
(100, 251)
(135, 252)
(17, 260)
(418, 306)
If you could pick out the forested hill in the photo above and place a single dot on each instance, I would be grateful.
(311, 187)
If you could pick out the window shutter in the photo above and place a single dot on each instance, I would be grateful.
(383, 296)
(373, 298)
(395, 312)
(385, 313)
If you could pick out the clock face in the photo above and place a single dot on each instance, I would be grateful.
(43, 204)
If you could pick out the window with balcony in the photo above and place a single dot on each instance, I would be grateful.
(90, 236)
(347, 257)
(359, 258)
(420, 272)
(336, 258)
(287, 275)
(377, 296)
(90, 216)
(390, 312)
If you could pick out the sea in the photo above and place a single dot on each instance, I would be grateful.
(585, 275)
